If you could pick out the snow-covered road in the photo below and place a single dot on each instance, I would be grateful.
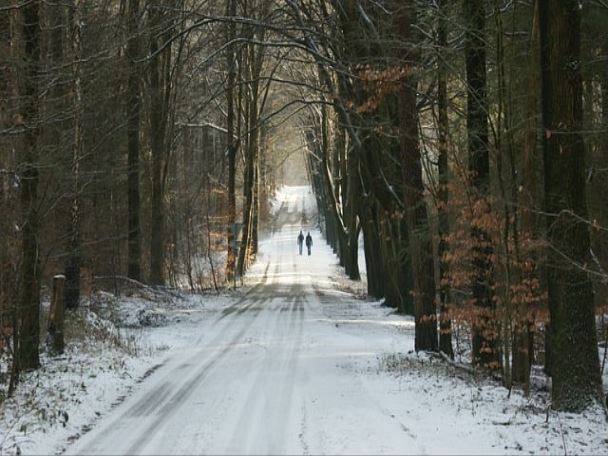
(296, 365)
(268, 375)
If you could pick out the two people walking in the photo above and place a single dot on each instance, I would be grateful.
(301, 242)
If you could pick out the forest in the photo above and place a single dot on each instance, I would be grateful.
(462, 143)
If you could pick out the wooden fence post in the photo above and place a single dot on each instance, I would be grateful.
(56, 314)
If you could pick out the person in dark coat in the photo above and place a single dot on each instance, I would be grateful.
(308, 242)
(300, 241)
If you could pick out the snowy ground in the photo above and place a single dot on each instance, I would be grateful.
(294, 364)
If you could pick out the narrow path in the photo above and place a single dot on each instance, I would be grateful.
(268, 376)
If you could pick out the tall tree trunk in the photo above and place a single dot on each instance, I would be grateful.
(374, 266)
(575, 363)
(484, 351)
(352, 199)
(334, 166)
(445, 323)
(248, 189)
(256, 206)
(598, 186)
(421, 247)
(336, 233)
(71, 293)
(261, 195)
(255, 61)
(29, 289)
(133, 117)
(158, 123)
(398, 281)
(349, 190)
(601, 244)
(231, 142)
(8, 231)
(530, 202)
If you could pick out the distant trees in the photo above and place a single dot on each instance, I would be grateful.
(252, 60)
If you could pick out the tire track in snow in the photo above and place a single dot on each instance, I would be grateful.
(302, 436)
(160, 398)
(238, 304)
(366, 394)
(251, 422)
(187, 388)
(289, 367)
(263, 417)
(152, 396)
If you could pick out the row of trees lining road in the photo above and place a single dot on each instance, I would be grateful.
(464, 141)
(113, 163)
(463, 135)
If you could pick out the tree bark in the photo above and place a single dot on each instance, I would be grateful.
(484, 350)
(256, 55)
(159, 92)
(445, 323)
(255, 221)
(530, 202)
(29, 289)
(73, 262)
(248, 193)
(56, 316)
(598, 185)
(133, 118)
(351, 199)
(421, 247)
(374, 265)
(232, 143)
(575, 363)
